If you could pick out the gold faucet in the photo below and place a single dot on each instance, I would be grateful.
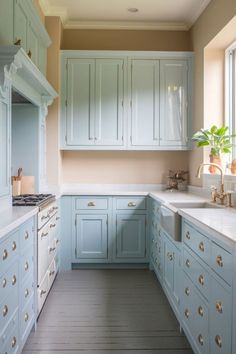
(221, 195)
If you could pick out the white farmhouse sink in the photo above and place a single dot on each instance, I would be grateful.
(170, 219)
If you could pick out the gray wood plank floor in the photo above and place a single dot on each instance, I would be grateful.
(107, 311)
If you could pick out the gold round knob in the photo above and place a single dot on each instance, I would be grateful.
(26, 317)
(17, 42)
(26, 235)
(218, 340)
(5, 311)
(219, 261)
(188, 235)
(26, 292)
(200, 339)
(187, 291)
(187, 263)
(13, 280)
(153, 240)
(13, 246)
(201, 246)
(29, 54)
(186, 313)
(219, 307)
(26, 266)
(13, 342)
(4, 282)
(5, 255)
(200, 311)
(201, 279)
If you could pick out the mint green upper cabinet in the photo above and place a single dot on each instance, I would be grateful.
(125, 100)
(109, 106)
(32, 44)
(80, 98)
(173, 102)
(94, 103)
(4, 147)
(6, 22)
(20, 25)
(144, 103)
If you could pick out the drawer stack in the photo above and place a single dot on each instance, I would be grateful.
(27, 276)
(206, 292)
(9, 293)
(48, 250)
(156, 242)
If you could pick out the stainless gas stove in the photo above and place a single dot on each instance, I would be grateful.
(40, 200)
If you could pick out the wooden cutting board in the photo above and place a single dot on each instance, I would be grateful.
(27, 185)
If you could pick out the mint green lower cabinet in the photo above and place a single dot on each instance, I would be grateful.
(206, 296)
(171, 272)
(130, 237)
(91, 236)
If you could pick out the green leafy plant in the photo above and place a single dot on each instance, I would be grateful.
(218, 139)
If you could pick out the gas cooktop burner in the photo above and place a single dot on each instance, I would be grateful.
(32, 199)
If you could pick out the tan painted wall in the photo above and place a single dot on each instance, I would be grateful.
(208, 26)
(126, 40)
(120, 167)
(54, 28)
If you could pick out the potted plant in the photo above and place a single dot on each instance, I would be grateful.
(219, 141)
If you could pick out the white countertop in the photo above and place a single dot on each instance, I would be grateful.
(220, 221)
(176, 196)
(15, 216)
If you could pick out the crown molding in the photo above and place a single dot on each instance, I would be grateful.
(199, 11)
(126, 25)
(49, 10)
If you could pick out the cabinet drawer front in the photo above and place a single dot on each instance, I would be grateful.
(7, 308)
(197, 273)
(8, 250)
(27, 264)
(91, 203)
(9, 342)
(27, 289)
(187, 304)
(131, 203)
(42, 292)
(200, 244)
(221, 319)
(26, 234)
(26, 318)
(222, 262)
(9, 282)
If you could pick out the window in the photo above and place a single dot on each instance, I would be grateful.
(230, 91)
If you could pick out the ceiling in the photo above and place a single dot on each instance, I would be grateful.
(114, 14)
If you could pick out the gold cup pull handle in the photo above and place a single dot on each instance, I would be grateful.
(187, 235)
(131, 205)
(13, 280)
(201, 246)
(26, 317)
(5, 311)
(29, 54)
(186, 313)
(200, 339)
(187, 263)
(42, 292)
(4, 283)
(26, 266)
(26, 235)
(200, 311)
(91, 204)
(201, 279)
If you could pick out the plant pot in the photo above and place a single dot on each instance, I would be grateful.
(217, 160)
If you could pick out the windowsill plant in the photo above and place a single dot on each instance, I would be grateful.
(218, 140)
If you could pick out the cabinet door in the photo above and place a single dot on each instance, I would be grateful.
(172, 271)
(173, 102)
(130, 236)
(20, 25)
(144, 103)
(4, 149)
(32, 44)
(109, 109)
(91, 236)
(80, 102)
